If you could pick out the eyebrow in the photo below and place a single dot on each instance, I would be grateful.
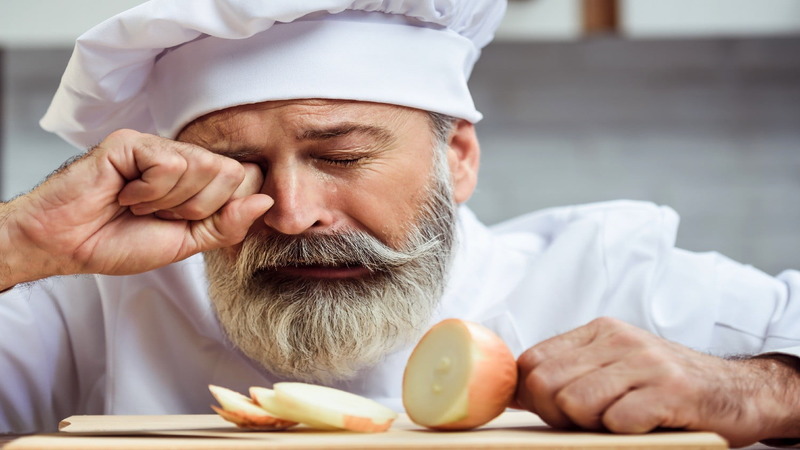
(381, 134)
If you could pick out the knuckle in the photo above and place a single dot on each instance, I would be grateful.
(115, 141)
(205, 165)
(529, 359)
(567, 401)
(173, 164)
(540, 381)
(607, 322)
(578, 408)
(624, 338)
(232, 172)
(123, 134)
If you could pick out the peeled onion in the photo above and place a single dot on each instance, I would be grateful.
(460, 376)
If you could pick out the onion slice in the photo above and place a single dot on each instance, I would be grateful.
(242, 411)
(324, 407)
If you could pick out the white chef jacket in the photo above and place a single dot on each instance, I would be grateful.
(150, 343)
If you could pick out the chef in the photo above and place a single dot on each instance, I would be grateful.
(275, 191)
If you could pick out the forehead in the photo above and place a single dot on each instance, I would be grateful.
(292, 118)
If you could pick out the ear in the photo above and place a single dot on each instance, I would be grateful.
(463, 156)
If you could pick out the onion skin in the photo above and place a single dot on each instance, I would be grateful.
(244, 412)
(325, 409)
(492, 383)
(253, 422)
(365, 424)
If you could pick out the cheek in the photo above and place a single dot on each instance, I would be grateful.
(389, 204)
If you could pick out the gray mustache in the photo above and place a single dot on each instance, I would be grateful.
(351, 247)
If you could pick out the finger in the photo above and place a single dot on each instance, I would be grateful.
(211, 197)
(547, 368)
(206, 184)
(242, 180)
(556, 387)
(586, 398)
(639, 411)
(681, 399)
(564, 343)
(252, 183)
(156, 180)
(545, 383)
(230, 224)
(536, 396)
(648, 364)
(562, 348)
(152, 165)
(187, 187)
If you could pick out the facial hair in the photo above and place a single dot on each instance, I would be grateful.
(322, 330)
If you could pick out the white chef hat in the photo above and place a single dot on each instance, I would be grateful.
(160, 65)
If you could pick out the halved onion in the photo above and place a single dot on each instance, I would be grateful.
(460, 376)
(242, 411)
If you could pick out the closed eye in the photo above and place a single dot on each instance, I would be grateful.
(343, 160)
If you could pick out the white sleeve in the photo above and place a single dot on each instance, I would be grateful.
(41, 382)
(784, 329)
(717, 305)
(790, 351)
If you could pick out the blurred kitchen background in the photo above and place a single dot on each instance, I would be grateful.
(693, 104)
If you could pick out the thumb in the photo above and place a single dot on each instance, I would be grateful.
(230, 224)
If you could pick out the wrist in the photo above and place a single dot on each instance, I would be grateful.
(6, 262)
(779, 395)
(16, 263)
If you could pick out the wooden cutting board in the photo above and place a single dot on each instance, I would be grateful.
(520, 430)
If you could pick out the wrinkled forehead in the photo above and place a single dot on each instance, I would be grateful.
(308, 119)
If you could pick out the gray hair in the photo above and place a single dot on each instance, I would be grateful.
(441, 125)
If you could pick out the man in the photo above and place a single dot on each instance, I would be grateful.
(298, 218)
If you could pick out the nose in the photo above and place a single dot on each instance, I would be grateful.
(300, 200)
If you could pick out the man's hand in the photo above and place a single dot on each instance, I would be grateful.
(133, 203)
(613, 376)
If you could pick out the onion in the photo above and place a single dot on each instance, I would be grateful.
(460, 376)
(242, 411)
(324, 407)
(288, 404)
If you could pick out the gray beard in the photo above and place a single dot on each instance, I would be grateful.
(322, 330)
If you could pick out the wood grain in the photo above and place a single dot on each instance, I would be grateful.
(519, 430)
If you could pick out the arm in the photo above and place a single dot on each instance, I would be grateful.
(133, 203)
(611, 375)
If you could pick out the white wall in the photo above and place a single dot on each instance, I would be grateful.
(53, 23)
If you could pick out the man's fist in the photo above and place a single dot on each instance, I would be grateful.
(613, 376)
(133, 203)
